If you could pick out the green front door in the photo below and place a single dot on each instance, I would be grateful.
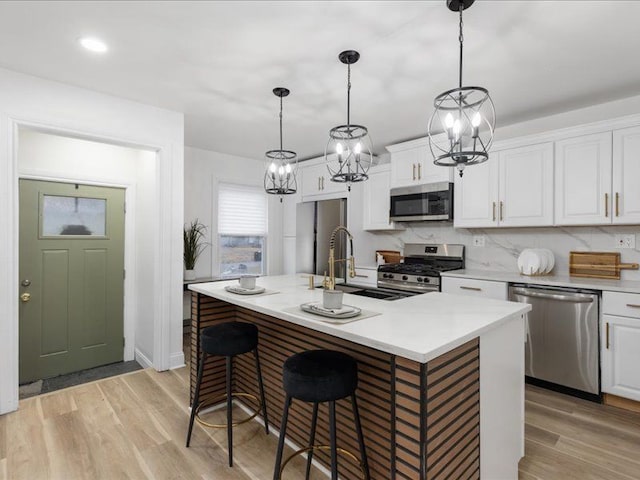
(71, 277)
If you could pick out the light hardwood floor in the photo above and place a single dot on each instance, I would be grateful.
(133, 426)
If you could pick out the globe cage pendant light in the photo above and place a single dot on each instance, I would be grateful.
(466, 116)
(282, 165)
(348, 151)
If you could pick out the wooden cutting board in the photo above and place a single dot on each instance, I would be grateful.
(597, 265)
(390, 256)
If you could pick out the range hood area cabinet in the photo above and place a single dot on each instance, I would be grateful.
(412, 164)
(597, 178)
(377, 201)
(514, 188)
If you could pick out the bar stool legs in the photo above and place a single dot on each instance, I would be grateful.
(196, 397)
(229, 400)
(332, 440)
(312, 439)
(283, 434)
(363, 451)
(261, 385)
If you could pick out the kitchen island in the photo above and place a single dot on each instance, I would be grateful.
(441, 386)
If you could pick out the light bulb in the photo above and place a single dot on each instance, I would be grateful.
(288, 168)
(339, 149)
(476, 120)
(448, 120)
(358, 148)
(281, 170)
(456, 128)
(272, 167)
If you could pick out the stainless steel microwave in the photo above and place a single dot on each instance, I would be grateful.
(420, 203)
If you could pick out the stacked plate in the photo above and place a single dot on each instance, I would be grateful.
(536, 261)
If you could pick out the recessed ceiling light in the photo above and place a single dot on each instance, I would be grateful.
(93, 44)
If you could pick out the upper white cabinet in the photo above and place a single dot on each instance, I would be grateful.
(583, 180)
(626, 175)
(316, 180)
(514, 188)
(377, 200)
(412, 164)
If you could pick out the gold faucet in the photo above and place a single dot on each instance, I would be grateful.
(330, 283)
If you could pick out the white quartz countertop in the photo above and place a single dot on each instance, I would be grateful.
(419, 328)
(552, 280)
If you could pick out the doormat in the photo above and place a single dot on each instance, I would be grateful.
(77, 378)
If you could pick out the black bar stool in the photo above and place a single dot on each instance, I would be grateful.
(321, 376)
(228, 340)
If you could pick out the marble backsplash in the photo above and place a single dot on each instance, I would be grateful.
(502, 246)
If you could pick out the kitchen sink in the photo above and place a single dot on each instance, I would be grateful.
(378, 293)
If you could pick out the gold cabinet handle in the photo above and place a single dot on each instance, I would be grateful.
(633, 305)
(414, 171)
(360, 276)
(617, 204)
(25, 297)
(607, 334)
(475, 289)
(419, 171)
(494, 211)
(501, 210)
(318, 183)
(606, 205)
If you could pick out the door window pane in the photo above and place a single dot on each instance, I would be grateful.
(73, 216)
(241, 255)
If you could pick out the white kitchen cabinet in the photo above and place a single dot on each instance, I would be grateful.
(377, 201)
(583, 180)
(474, 288)
(514, 188)
(365, 276)
(412, 164)
(316, 181)
(620, 350)
(626, 175)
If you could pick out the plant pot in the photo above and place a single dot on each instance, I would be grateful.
(189, 274)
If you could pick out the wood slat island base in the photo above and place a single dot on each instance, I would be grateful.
(420, 420)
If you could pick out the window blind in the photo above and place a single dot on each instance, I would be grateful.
(242, 210)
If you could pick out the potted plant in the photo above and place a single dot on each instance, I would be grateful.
(194, 245)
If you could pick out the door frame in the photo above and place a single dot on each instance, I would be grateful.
(129, 251)
(162, 279)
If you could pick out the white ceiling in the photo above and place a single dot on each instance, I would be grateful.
(218, 61)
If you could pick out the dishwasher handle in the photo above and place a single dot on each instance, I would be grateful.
(571, 298)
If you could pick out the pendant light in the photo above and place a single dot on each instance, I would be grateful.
(282, 165)
(466, 116)
(348, 151)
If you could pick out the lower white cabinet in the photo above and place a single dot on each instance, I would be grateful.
(365, 276)
(475, 288)
(620, 340)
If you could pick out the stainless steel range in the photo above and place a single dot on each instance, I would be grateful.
(421, 269)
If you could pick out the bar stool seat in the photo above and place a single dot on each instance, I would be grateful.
(319, 376)
(228, 340)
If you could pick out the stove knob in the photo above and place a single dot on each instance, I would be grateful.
(385, 275)
(404, 277)
(426, 280)
(419, 279)
(390, 275)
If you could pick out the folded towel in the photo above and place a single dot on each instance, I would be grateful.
(334, 311)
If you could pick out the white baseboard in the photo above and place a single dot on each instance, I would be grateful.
(142, 359)
(176, 360)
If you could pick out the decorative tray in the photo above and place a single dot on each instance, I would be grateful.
(244, 291)
(347, 311)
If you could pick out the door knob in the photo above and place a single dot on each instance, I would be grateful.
(25, 297)
(25, 283)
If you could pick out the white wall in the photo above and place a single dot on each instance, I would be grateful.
(45, 156)
(203, 170)
(72, 111)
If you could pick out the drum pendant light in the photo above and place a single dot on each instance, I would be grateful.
(348, 151)
(281, 165)
(466, 116)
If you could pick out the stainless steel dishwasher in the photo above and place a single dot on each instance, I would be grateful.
(562, 344)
